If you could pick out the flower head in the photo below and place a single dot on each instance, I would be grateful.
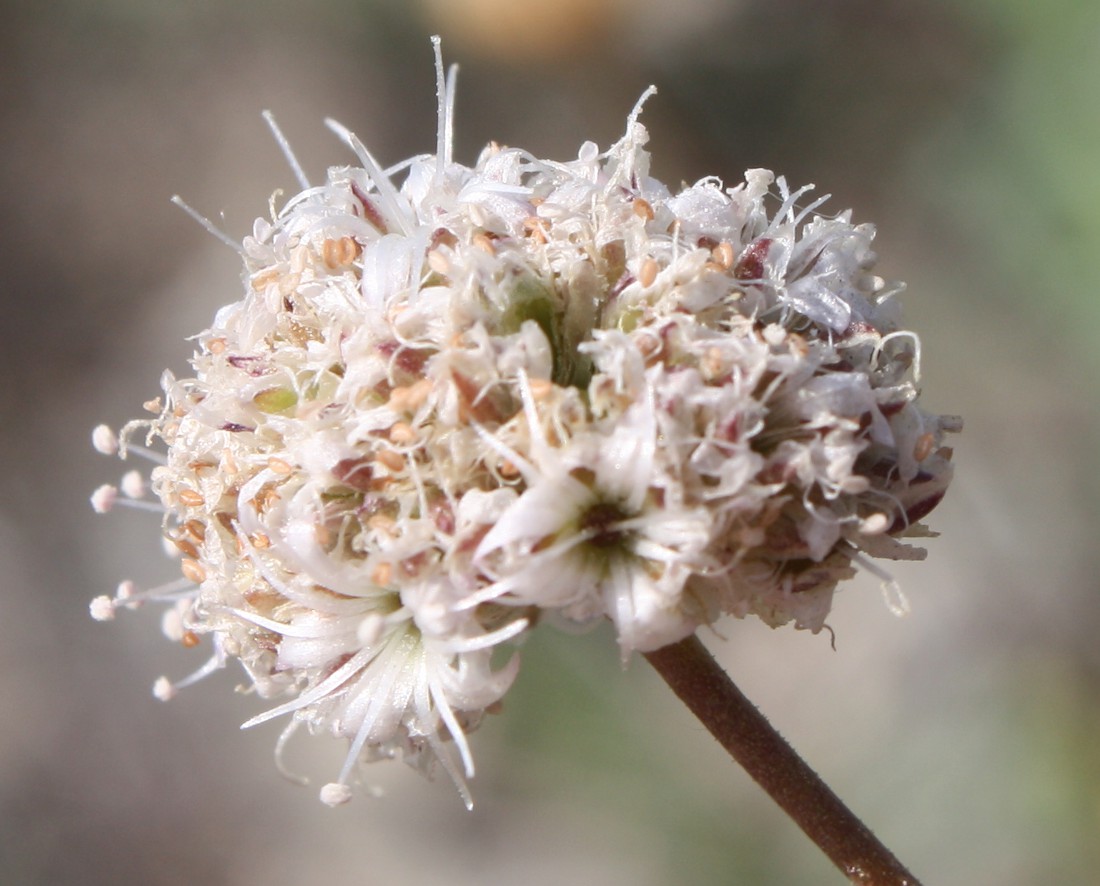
(444, 407)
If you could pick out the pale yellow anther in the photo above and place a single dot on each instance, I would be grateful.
(402, 432)
(185, 547)
(382, 574)
(278, 466)
(381, 522)
(535, 228)
(438, 262)
(190, 498)
(642, 209)
(288, 285)
(395, 461)
(648, 345)
(192, 570)
(724, 255)
(648, 272)
(541, 388)
(263, 279)
(484, 242)
(712, 363)
(229, 464)
(409, 398)
(340, 253)
(924, 446)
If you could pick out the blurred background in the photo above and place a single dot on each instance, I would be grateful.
(966, 735)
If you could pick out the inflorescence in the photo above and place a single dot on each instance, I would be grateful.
(446, 409)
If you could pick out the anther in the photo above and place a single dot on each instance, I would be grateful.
(392, 460)
(105, 440)
(190, 498)
(102, 608)
(133, 485)
(192, 570)
(163, 690)
(104, 498)
(924, 446)
(279, 466)
(335, 794)
(723, 254)
(382, 574)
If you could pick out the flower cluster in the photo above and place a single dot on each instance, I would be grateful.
(445, 409)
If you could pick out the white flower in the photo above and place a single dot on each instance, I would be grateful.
(599, 530)
(446, 406)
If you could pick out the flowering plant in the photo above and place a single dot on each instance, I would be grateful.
(524, 390)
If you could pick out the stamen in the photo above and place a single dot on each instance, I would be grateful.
(530, 474)
(424, 694)
(104, 498)
(335, 794)
(280, 746)
(105, 440)
(133, 485)
(125, 447)
(208, 225)
(284, 145)
(380, 690)
(892, 594)
(164, 690)
(102, 608)
(130, 597)
(336, 679)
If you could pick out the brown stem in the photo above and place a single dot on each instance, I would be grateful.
(694, 675)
